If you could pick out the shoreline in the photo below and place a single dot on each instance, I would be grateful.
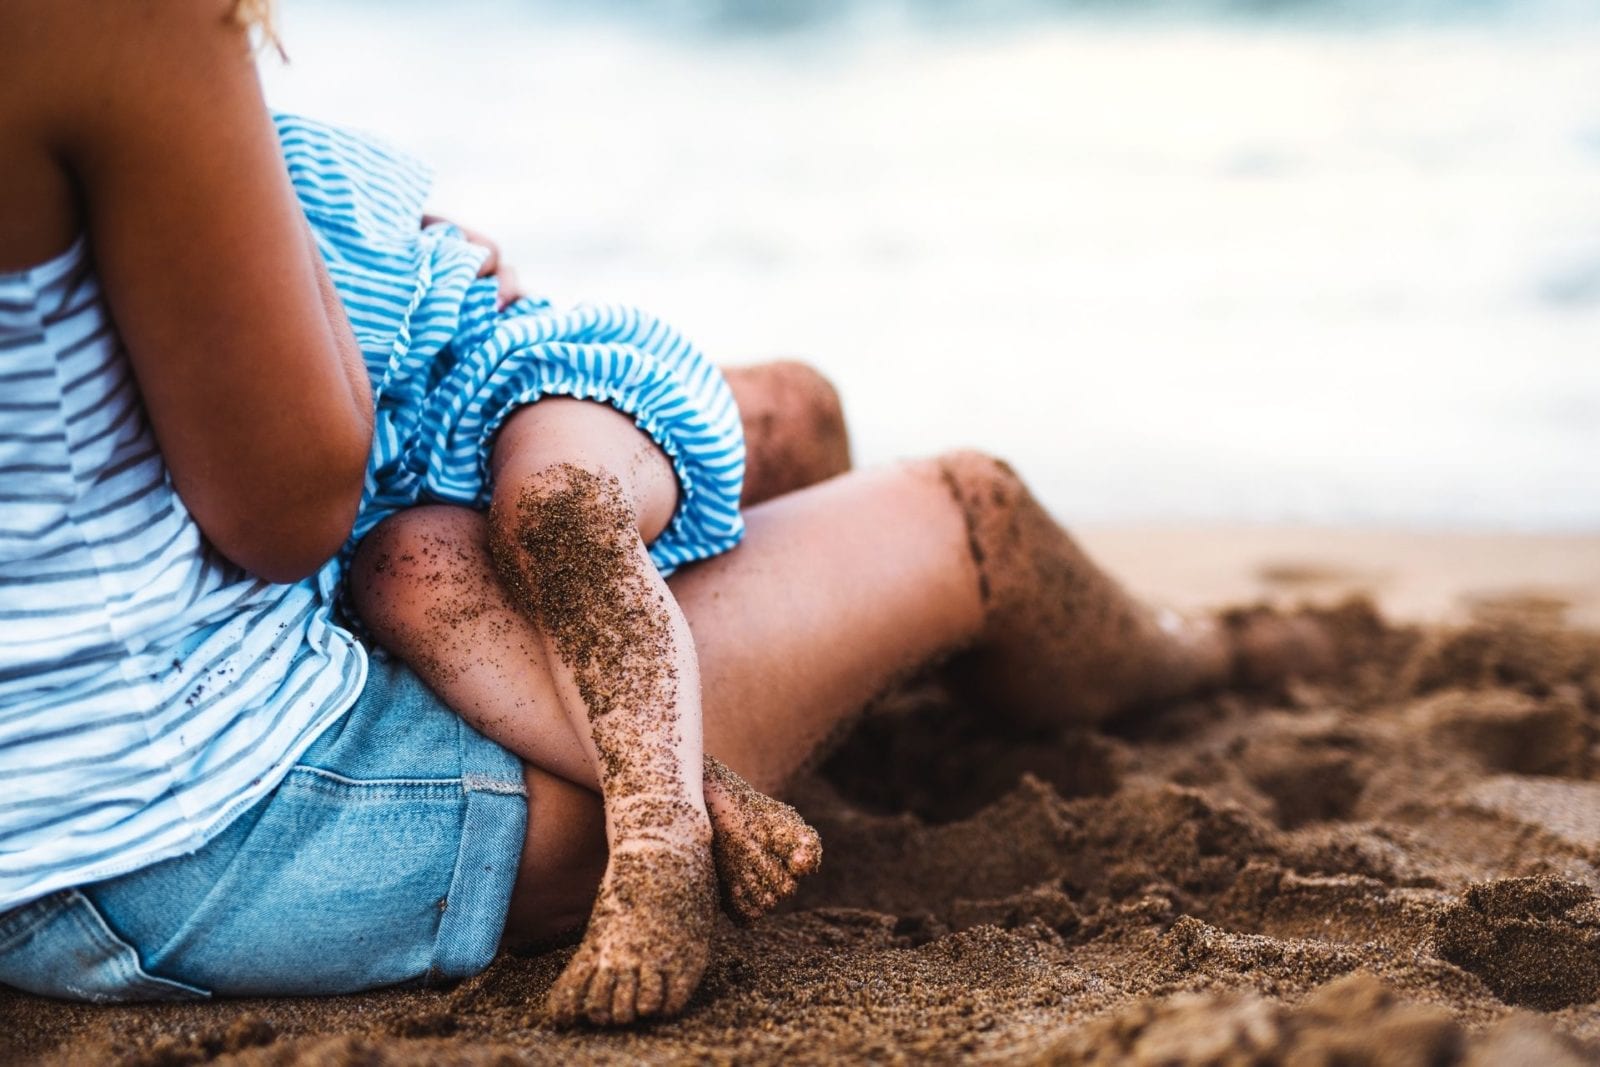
(1413, 575)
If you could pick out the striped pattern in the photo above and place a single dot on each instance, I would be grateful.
(447, 367)
(149, 690)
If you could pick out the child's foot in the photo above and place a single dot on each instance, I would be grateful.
(762, 846)
(649, 934)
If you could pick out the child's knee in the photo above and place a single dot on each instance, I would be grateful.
(410, 562)
(561, 518)
(568, 551)
(545, 448)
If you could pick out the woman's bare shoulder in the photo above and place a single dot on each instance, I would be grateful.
(70, 64)
(38, 217)
(152, 114)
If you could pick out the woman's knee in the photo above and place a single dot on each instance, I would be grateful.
(1001, 520)
(794, 427)
(981, 484)
(411, 562)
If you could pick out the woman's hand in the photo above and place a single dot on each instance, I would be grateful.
(509, 290)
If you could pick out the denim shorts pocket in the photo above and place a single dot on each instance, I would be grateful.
(61, 946)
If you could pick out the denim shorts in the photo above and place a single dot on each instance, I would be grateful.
(385, 857)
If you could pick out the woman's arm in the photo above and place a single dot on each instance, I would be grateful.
(251, 376)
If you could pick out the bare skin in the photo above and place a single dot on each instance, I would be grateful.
(558, 582)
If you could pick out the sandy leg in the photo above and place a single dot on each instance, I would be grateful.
(1061, 640)
(565, 538)
(428, 590)
(579, 493)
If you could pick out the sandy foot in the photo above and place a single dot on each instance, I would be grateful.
(762, 846)
(648, 939)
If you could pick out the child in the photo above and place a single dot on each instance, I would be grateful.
(608, 452)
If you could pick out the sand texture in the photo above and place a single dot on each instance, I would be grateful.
(1396, 866)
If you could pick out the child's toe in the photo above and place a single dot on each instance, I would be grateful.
(652, 992)
(680, 987)
(769, 891)
(759, 880)
(566, 999)
(749, 903)
(597, 1004)
(805, 857)
(625, 998)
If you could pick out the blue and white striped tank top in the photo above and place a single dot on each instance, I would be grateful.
(149, 689)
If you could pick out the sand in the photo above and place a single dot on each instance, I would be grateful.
(1399, 865)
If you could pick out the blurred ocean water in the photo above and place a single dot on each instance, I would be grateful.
(777, 16)
(1322, 260)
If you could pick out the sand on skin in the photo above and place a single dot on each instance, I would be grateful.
(1398, 866)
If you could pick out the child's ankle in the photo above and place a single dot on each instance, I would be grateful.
(673, 817)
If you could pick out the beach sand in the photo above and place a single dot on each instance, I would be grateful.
(1400, 865)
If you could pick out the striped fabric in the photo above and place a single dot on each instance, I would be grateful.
(149, 689)
(447, 367)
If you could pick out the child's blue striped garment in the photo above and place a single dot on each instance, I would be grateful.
(447, 367)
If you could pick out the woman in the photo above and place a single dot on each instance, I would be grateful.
(209, 789)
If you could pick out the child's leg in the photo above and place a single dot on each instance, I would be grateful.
(578, 492)
(426, 587)
(593, 646)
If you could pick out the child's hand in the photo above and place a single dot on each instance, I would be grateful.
(509, 290)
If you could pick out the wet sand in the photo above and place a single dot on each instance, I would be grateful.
(1400, 865)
